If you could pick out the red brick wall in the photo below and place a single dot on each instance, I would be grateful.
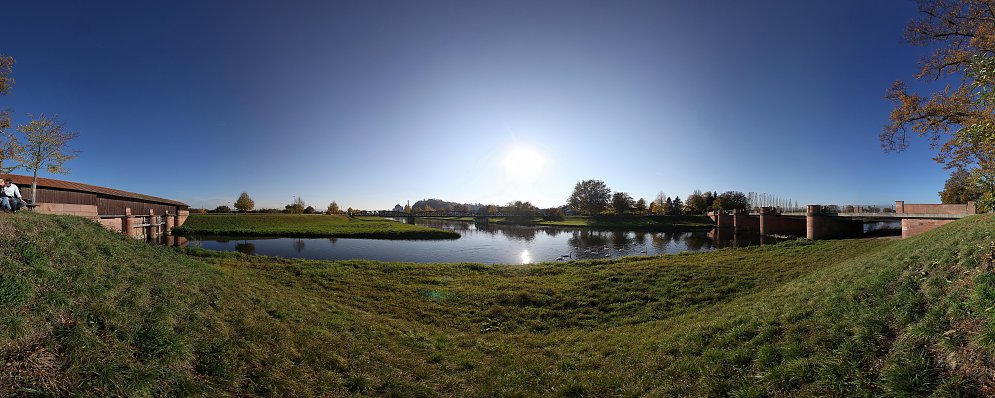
(746, 222)
(113, 224)
(936, 209)
(913, 226)
(88, 211)
(771, 224)
(826, 227)
(724, 221)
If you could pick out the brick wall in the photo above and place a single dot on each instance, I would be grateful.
(913, 226)
(88, 211)
(910, 208)
(772, 224)
(746, 222)
(113, 224)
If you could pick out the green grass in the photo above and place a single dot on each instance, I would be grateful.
(307, 226)
(607, 222)
(87, 312)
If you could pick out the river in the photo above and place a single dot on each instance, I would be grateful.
(490, 244)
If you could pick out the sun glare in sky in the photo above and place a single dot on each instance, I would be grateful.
(524, 164)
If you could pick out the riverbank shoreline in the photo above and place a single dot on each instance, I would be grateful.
(633, 223)
(307, 226)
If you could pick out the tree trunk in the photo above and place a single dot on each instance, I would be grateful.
(34, 188)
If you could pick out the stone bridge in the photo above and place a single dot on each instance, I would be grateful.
(817, 223)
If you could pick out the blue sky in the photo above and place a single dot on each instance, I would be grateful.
(372, 103)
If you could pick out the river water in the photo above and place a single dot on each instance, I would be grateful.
(490, 244)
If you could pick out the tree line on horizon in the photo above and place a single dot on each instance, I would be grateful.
(589, 197)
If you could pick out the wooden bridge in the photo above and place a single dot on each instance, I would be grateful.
(817, 222)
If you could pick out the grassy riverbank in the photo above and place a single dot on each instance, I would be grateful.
(307, 226)
(607, 222)
(84, 311)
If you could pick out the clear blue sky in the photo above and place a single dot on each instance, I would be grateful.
(372, 103)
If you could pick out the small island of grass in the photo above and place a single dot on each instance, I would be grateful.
(306, 226)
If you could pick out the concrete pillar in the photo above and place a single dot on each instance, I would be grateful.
(128, 224)
(170, 222)
(181, 217)
(153, 228)
(900, 206)
(815, 221)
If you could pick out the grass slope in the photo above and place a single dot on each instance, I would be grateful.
(307, 226)
(87, 312)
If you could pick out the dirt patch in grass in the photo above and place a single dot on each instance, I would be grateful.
(30, 369)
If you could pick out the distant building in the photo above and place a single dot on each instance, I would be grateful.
(398, 208)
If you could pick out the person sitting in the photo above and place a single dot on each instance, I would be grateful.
(3, 198)
(12, 200)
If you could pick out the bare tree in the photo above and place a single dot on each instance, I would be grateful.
(45, 147)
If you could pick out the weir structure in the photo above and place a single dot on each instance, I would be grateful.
(820, 222)
(136, 215)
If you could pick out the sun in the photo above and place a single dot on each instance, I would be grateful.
(524, 164)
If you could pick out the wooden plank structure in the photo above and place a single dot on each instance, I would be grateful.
(140, 216)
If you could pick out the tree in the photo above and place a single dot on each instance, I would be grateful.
(45, 147)
(222, 209)
(640, 206)
(731, 200)
(407, 208)
(297, 207)
(333, 208)
(654, 208)
(622, 203)
(6, 68)
(696, 202)
(961, 187)
(554, 214)
(678, 206)
(10, 146)
(959, 118)
(660, 200)
(244, 202)
(668, 207)
(590, 197)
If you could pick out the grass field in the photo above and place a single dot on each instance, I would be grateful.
(609, 222)
(307, 226)
(85, 312)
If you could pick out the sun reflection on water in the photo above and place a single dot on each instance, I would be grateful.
(526, 258)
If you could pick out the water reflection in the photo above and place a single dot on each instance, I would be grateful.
(494, 243)
(246, 248)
